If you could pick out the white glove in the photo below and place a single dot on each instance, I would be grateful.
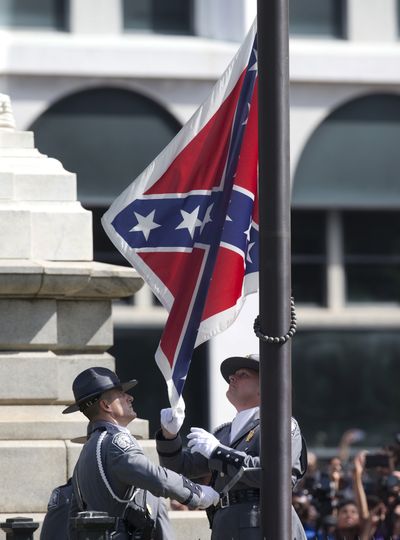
(202, 442)
(208, 497)
(172, 419)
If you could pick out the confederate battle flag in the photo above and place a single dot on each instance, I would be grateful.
(189, 222)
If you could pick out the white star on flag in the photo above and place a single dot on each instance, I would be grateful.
(248, 258)
(247, 232)
(247, 117)
(207, 218)
(145, 224)
(190, 221)
(254, 67)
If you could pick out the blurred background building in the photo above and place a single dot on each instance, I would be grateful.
(105, 84)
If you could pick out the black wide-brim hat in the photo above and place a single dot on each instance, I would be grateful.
(230, 365)
(91, 383)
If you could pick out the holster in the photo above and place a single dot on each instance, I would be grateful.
(139, 522)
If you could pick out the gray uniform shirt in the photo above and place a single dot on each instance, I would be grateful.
(236, 521)
(125, 468)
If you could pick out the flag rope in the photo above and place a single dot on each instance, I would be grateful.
(281, 339)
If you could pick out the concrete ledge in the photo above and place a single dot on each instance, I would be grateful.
(84, 325)
(30, 387)
(46, 422)
(42, 187)
(15, 233)
(27, 382)
(79, 325)
(6, 185)
(190, 525)
(16, 139)
(57, 231)
(26, 324)
(61, 232)
(29, 470)
(65, 279)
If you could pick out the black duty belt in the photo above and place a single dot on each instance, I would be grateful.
(239, 496)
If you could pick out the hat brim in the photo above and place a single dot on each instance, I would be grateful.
(125, 387)
(230, 365)
(79, 440)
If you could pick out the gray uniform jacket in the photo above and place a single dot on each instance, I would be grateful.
(239, 521)
(125, 467)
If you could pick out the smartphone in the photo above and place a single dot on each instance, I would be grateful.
(376, 460)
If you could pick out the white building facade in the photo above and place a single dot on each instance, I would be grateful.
(105, 84)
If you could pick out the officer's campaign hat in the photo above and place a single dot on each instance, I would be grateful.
(91, 383)
(233, 363)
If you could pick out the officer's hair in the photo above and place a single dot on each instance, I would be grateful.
(92, 411)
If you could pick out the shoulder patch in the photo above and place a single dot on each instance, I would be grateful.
(123, 441)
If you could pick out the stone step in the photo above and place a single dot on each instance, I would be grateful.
(29, 387)
(31, 469)
(43, 422)
(188, 525)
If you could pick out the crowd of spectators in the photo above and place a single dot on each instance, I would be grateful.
(351, 497)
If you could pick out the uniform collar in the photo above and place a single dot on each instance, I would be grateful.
(243, 422)
(103, 425)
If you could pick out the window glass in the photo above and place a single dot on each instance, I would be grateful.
(308, 257)
(346, 379)
(168, 17)
(33, 13)
(372, 256)
(107, 136)
(316, 17)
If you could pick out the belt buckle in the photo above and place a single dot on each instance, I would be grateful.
(224, 501)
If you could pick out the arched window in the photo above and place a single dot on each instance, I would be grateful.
(346, 257)
(346, 201)
(107, 136)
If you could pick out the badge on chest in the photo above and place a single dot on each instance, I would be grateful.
(250, 435)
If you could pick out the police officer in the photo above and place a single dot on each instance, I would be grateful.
(112, 473)
(223, 454)
(55, 523)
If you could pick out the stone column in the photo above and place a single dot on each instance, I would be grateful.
(55, 318)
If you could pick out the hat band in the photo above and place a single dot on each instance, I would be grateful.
(85, 405)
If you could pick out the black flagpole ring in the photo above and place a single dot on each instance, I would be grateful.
(281, 339)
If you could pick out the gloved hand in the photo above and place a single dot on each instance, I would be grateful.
(202, 442)
(208, 497)
(172, 419)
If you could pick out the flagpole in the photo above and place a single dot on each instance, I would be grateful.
(275, 267)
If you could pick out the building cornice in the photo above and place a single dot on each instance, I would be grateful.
(185, 57)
